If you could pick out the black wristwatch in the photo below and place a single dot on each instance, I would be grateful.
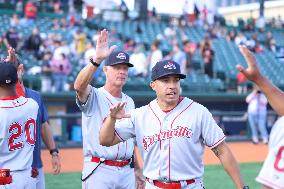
(246, 187)
(94, 63)
(52, 151)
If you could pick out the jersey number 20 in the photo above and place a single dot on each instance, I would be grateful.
(16, 131)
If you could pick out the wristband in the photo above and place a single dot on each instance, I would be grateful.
(94, 63)
(55, 150)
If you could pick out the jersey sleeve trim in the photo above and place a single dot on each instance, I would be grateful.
(120, 138)
(268, 183)
(218, 142)
(83, 103)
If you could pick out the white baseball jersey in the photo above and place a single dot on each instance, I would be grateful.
(94, 111)
(272, 172)
(172, 144)
(17, 132)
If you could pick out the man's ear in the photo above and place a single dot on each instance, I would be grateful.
(153, 85)
(104, 69)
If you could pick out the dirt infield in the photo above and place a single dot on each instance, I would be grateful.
(245, 152)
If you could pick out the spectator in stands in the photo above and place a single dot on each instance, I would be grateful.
(114, 36)
(257, 114)
(258, 47)
(155, 54)
(260, 24)
(251, 42)
(60, 47)
(3, 47)
(30, 11)
(90, 51)
(46, 73)
(279, 22)
(240, 39)
(268, 38)
(189, 49)
(241, 83)
(12, 38)
(124, 9)
(55, 24)
(139, 61)
(208, 58)
(63, 24)
(19, 6)
(206, 43)
(129, 46)
(179, 57)
(153, 15)
(169, 33)
(272, 46)
(61, 69)
(33, 42)
(80, 41)
(57, 7)
(231, 36)
(14, 21)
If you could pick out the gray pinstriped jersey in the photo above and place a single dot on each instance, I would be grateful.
(94, 111)
(172, 144)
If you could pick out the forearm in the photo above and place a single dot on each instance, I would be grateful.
(47, 136)
(230, 164)
(274, 95)
(138, 158)
(107, 132)
(231, 167)
(84, 78)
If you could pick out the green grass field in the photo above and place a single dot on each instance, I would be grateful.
(215, 178)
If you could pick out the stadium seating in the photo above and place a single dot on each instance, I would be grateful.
(227, 54)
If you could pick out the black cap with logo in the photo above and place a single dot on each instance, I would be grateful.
(8, 74)
(118, 57)
(165, 68)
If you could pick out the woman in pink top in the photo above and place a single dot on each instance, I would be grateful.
(61, 69)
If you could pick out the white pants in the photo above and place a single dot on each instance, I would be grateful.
(21, 180)
(198, 184)
(40, 181)
(110, 177)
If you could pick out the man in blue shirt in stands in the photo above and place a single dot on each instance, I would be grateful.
(43, 129)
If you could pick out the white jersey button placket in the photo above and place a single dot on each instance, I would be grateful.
(164, 153)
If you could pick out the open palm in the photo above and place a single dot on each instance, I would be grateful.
(102, 49)
(252, 71)
(118, 111)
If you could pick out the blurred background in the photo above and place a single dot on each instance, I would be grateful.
(202, 36)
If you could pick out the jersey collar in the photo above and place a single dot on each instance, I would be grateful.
(9, 97)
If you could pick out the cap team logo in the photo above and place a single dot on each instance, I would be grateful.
(164, 135)
(8, 81)
(170, 65)
(121, 56)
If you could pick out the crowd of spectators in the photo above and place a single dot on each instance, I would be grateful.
(56, 54)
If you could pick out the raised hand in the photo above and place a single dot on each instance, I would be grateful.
(102, 49)
(11, 56)
(252, 71)
(117, 111)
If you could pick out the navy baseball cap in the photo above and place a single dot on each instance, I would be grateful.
(8, 74)
(165, 68)
(118, 57)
